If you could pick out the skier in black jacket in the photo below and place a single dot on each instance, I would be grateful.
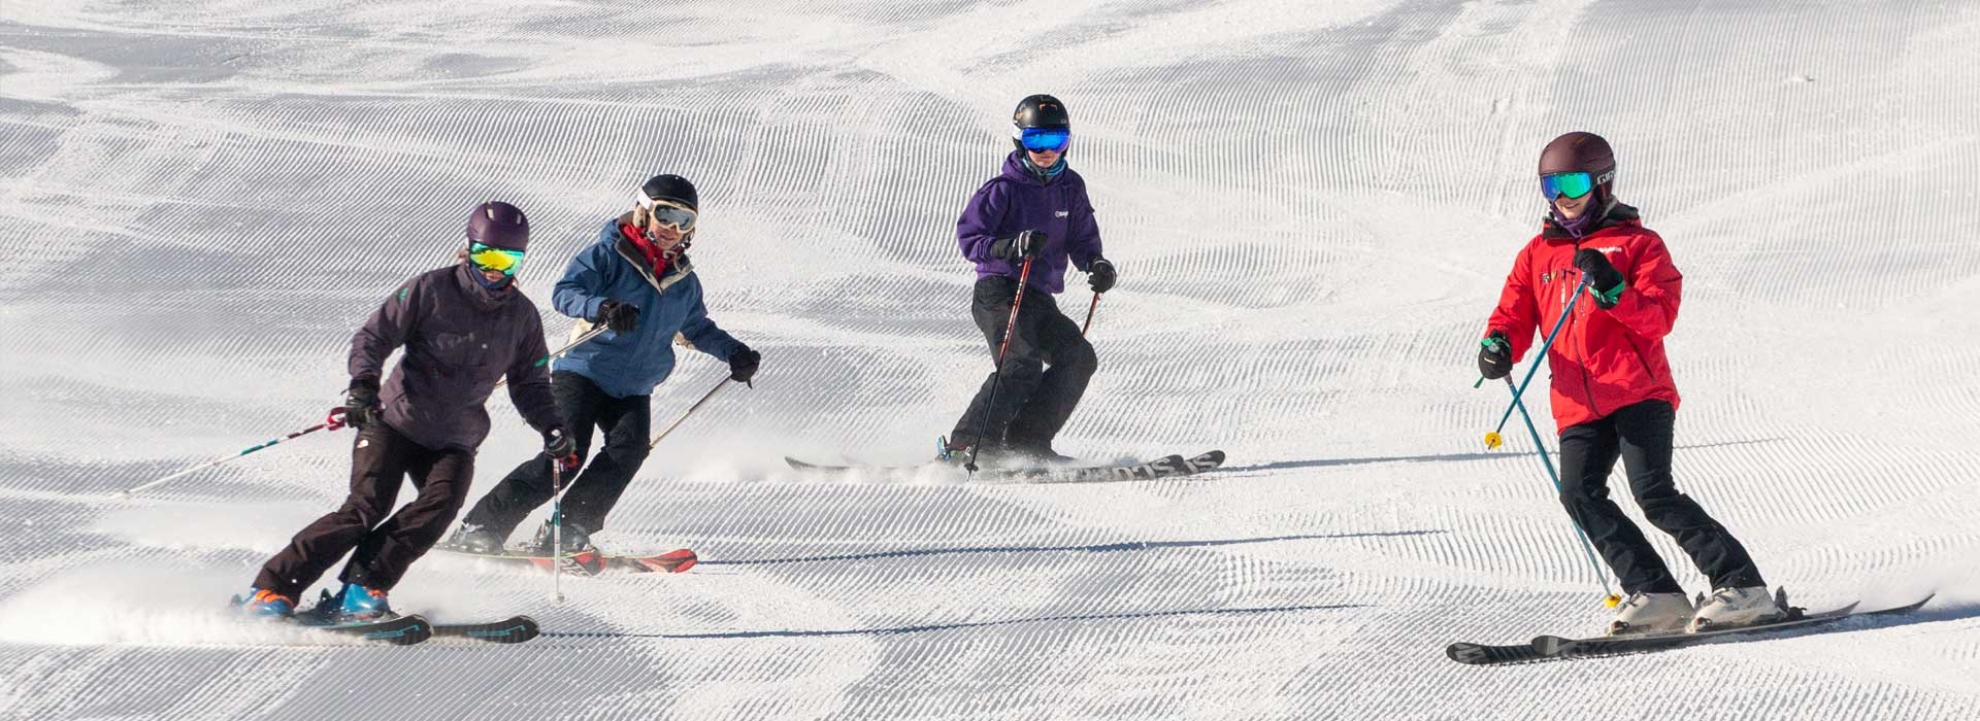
(463, 328)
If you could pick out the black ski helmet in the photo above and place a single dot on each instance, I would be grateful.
(670, 188)
(1039, 111)
(500, 225)
(1582, 152)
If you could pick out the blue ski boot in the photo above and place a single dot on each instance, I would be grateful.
(951, 452)
(266, 605)
(356, 603)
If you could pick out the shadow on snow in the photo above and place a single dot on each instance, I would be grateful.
(955, 626)
(1097, 548)
(1443, 457)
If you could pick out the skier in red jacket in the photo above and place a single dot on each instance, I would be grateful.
(1613, 395)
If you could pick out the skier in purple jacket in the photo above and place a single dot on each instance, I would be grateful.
(463, 328)
(1037, 209)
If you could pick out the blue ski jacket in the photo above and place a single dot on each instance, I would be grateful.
(670, 311)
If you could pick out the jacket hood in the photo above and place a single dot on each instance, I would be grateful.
(484, 298)
(1018, 168)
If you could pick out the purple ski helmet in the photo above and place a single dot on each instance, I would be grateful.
(499, 224)
(1582, 152)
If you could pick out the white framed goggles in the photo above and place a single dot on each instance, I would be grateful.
(668, 213)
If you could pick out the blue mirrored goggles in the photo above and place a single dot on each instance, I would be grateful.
(1572, 185)
(1039, 140)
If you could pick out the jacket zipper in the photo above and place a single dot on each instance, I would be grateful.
(1587, 383)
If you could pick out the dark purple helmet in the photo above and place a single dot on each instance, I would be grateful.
(1582, 152)
(499, 224)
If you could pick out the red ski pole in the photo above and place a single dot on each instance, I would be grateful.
(1010, 327)
(330, 423)
(1090, 307)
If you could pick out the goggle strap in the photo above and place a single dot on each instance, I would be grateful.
(646, 203)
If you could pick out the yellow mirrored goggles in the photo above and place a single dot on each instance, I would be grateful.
(488, 257)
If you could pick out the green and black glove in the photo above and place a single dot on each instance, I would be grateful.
(1604, 281)
(1495, 358)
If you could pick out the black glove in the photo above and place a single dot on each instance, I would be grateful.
(1101, 275)
(561, 449)
(742, 364)
(1603, 279)
(361, 407)
(620, 317)
(1025, 245)
(1495, 359)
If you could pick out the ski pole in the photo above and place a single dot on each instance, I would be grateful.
(997, 378)
(1492, 440)
(1587, 549)
(690, 411)
(330, 423)
(556, 529)
(588, 335)
(1090, 307)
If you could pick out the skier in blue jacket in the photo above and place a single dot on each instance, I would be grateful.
(637, 282)
(1035, 209)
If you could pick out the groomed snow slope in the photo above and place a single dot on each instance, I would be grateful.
(1312, 206)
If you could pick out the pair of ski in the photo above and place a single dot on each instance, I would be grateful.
(589, 563)
(413, 629)
(1550, 648)
(1171, 466)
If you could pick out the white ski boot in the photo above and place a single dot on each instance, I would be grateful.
(1648, 613)
(1735, 607)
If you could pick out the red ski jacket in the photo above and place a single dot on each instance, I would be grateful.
(1603, 359)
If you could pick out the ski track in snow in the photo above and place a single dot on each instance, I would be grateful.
(1312, 206)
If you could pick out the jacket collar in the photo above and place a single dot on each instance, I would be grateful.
(482, 297)
(1618, 216)
(678, 269)
(1019, 168)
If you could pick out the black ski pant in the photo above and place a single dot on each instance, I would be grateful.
(591, 495)
(1044, 374)
(1641, 435)
(385, 546)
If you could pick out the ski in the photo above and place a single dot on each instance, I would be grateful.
(1547, 648)
(1558, 647)
(514, 629)
(592, 563)
(397, 631)
(1479, 654)
(1170, 466)
(675, 561)
(1174, 466)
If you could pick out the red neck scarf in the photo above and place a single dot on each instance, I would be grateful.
(655, 258)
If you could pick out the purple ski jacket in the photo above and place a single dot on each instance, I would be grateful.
(1017, 200)
(460, 338)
